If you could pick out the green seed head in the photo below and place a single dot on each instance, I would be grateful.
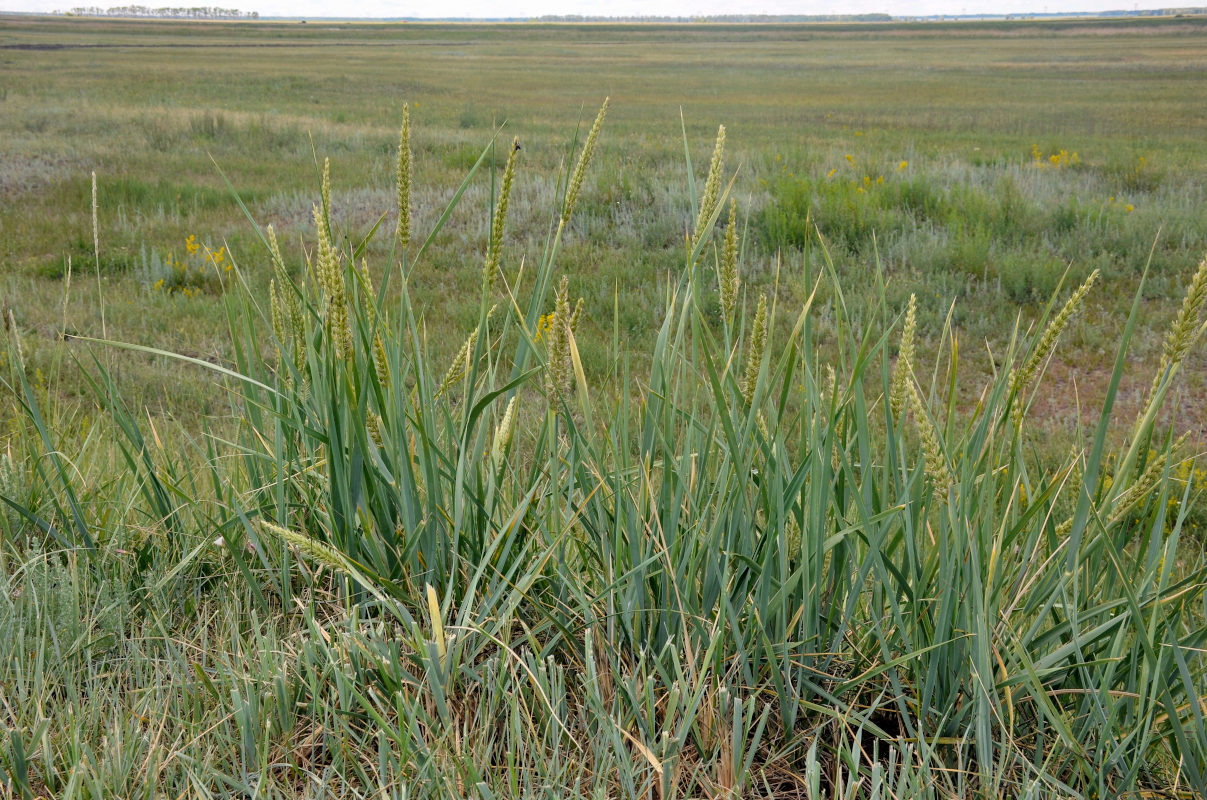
(712, 188)
(1185, 328)
(491, 268)
(503, 433)
(460, 365)
(557, 341)
(1021, 379)
(381, 363)
(936, 461)
(326, 195)
(332, 280)
(402, 176)
(754, 357)
(730, 283)
(899, 388)
(584, 160)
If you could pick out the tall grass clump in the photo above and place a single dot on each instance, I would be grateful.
(735, 571)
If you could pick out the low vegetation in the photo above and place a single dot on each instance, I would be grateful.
(775, 554)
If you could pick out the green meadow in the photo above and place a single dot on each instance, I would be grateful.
(523, 449)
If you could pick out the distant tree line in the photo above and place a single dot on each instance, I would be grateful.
(196, 12)
(727, 18)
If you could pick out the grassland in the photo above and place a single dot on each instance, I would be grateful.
(155, 106)
(683, 563)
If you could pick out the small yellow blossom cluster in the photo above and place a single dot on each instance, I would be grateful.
(860, 184)
(1057, 160)
(543, 325)
(1128, 207)
(867, 183)
(187, 275)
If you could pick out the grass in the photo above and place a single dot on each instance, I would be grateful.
(661, 547)
(963, 105)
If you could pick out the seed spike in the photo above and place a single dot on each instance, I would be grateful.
(754, 358)
(402, 176)
(491, 268)
(1020, 379)
(584, 160)
(712, 188)
(899, 388)
(730, 283)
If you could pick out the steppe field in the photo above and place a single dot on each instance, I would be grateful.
(381, 417)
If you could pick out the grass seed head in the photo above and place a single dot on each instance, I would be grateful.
(491, 268)
(1021, 379)
(366, 293)
(503, 433)
(381, 362)
(754, 356)
(1133, 496)
(373, 425)
(903, 369)
(402, 178)
(460, 365)
(712, 188)
(730, 283)
(12, 486)
(584, 160)
(16, 334)
(332, 279)
(326, 195)
(1185, 328)
(278, 263)
(309, 548)
(936, 462)
(557, 340)
(278, 315)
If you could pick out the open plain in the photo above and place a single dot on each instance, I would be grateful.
(834, 483)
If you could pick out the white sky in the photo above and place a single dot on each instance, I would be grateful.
(536, 8)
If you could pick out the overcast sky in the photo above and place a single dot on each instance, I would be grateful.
(536, 8)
